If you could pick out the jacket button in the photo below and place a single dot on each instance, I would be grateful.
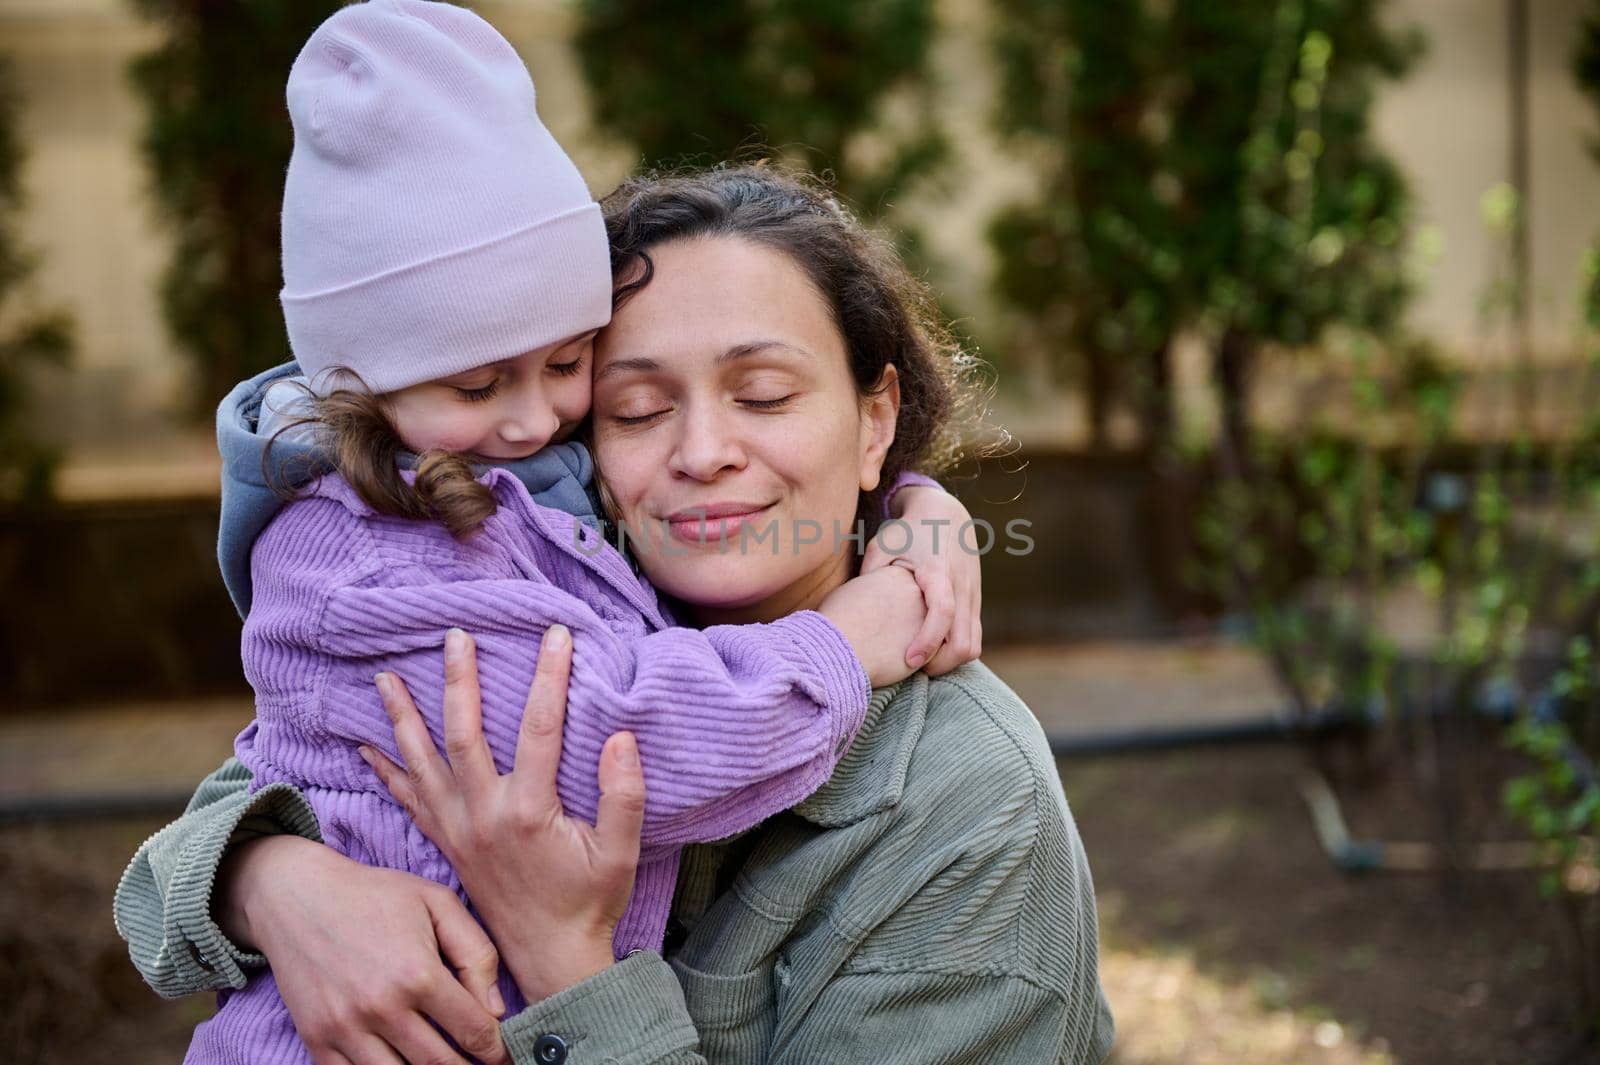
(550, 1050)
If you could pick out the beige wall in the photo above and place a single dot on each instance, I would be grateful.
(103, 251)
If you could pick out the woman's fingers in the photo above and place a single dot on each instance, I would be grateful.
(621, 815)
(425, 768)
(467, 949)
(539, 739)
(399, 784)
(418, 1042)
(463, 714)
(370, 1050)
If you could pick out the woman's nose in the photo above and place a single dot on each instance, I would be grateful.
(705, 448)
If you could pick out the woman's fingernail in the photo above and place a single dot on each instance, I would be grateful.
(627, 751)
(916, 658)
(366, 753)
(455, 642)
(557, 637)
(382, 681)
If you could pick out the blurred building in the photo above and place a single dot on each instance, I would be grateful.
(1449, 124)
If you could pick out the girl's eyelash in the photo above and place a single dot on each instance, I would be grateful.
(567, 369)
(478, 395)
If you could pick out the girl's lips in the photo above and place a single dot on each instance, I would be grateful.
(713, 524)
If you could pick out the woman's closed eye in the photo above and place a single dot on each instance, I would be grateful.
(767, 404)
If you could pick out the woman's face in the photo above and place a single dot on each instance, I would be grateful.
(730, 434)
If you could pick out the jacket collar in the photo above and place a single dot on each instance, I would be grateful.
(871, 777)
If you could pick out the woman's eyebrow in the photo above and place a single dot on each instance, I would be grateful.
(644, 364)
(756, 347)
(616, 366)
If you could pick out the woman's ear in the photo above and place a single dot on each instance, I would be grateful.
(879, 414)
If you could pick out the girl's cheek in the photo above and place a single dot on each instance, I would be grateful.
(572, 399)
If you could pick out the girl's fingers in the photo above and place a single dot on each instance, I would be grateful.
(544, 714)
(939, 598)
(621, 815)
(874, 558)
(427, 771)
(463, 714)
(467, 949)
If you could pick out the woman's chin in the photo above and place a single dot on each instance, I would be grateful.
(716, 584)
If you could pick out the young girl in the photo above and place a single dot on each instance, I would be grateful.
(445, 272)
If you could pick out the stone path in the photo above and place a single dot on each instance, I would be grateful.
(1078, 691)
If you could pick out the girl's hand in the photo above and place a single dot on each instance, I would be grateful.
(948, 573)
(878, 613)
(550, 888)
(362, 956)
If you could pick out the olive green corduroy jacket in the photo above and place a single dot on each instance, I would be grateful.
(930, 903)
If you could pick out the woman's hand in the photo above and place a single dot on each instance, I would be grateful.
(550, 888)
(948, 571)
(360, 954)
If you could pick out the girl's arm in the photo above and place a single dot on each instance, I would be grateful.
(930, 532)
(734, 723)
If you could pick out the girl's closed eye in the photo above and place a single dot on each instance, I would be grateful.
(481, 394)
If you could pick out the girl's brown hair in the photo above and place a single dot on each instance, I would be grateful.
(363, 445)
(885, 314)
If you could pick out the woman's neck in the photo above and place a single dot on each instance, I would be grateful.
(807, 593)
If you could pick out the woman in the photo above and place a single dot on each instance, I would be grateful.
(929, 903)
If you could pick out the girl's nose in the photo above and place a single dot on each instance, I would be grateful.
(531, 425)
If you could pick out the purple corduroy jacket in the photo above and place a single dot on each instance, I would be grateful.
(734, 723)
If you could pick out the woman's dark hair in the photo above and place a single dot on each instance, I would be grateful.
(362, 444)
(885, 314)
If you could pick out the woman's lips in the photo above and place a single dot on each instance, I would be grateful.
(715, 523)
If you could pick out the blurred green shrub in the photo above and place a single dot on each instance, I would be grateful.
(839, 86)
(30, 338)
(217, 141)
(1202, 165)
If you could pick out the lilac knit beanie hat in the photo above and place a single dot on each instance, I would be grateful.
(431, 224)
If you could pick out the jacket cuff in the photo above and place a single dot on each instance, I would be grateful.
(844, 679)
(907, 479)
(629, 1014)
(163, 905)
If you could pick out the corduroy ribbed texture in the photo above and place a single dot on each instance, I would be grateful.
(734, 723)
(931, 903)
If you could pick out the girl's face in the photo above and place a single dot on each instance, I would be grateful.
(506, 410)
(731, 436)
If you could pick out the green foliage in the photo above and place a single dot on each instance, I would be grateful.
(1203, 164)
(217, 141)
(32, 338)
(837, 85)
(1586, 69)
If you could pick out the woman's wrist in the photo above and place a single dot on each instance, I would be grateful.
(542, 969)
(244, 875)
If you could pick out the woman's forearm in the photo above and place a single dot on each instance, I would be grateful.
(163, 905)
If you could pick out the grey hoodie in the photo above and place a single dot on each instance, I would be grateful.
(560, 476)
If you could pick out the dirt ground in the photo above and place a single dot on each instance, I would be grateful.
(1227, 937)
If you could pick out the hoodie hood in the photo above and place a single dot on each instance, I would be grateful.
(560, 476)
